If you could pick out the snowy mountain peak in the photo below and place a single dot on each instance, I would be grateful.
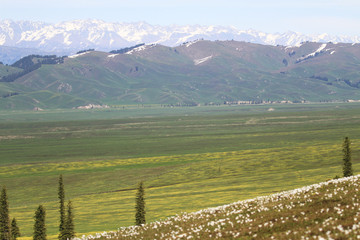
(71, 36)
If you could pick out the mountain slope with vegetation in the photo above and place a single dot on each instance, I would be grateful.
(328, 210)
(199, 72)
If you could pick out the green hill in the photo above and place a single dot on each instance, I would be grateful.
(195, 73)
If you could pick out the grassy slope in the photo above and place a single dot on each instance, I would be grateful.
(5, 70)
(329, 210)
(197, 158)
(30, 96)
(6, 88)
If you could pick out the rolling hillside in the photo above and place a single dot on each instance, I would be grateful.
(199, 72)
(329, 210)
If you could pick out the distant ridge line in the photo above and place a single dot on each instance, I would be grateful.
(72, 36)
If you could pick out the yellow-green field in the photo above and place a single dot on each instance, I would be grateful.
(189, 159)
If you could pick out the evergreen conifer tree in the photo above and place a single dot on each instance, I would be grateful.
(69, 229)
(15, 231)
(39, 226)
(5, 230)
(140, 205)
(61, 195)
(347, 165)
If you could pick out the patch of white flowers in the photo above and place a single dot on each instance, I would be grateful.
(228, 221)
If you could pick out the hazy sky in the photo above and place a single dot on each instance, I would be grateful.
(338, 17)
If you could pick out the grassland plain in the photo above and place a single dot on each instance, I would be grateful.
(189, 158)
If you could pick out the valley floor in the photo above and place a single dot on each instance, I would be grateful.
(189, 159)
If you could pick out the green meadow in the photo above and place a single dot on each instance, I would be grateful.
(189, 158)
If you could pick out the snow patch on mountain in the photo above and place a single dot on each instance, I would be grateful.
(2, 40)
(188, 44)
(202, 60)
(313, 54)
(112, 55)
(322, 47)
(78, 55)
(141, 48)
(67, 39)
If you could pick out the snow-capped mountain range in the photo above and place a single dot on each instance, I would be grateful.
(68, 37)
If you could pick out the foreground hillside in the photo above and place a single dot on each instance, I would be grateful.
(199, 72)
(328, 210)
